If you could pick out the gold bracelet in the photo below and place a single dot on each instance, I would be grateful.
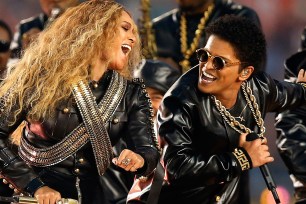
(242, 158)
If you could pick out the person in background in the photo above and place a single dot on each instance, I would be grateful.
(5, 53)
(179, 32)
(75, 94)
(29, 28)
(157, 77)
(291, 129)
(207, 117)
(6, 36)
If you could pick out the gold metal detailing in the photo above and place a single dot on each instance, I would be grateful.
(116, 120)
(251, 101)
(187, 52)
(95, 84)
(66, 110)
(242, 158)
(146, 31)
(77, 171)
(303, 84)
(80, 135)
(218, 198)
(81, 160)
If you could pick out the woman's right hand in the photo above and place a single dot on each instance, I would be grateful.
(47, 195)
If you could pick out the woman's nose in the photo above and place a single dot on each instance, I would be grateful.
(132, 38)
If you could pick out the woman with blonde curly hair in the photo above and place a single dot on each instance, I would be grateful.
(73, 89)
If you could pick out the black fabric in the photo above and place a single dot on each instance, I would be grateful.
(91, 190)
(156, 185)
(294, 63)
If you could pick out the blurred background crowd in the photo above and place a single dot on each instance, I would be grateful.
(282, 21)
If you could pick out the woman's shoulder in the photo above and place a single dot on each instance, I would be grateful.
(136, 88)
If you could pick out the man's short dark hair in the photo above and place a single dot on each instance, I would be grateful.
(245, 36)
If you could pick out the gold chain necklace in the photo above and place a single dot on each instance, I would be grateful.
(185, 64)
(251, 101)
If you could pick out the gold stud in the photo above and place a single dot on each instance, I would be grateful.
(116, 120)
(77, 171)
(65, 110)
(218, 198)
(95, 85)
(81, 160)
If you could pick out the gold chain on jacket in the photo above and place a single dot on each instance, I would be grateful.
(187, 52)
(146, 31)
(251, 101)
(80, 135)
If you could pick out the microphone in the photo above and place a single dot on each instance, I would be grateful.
(265, 171)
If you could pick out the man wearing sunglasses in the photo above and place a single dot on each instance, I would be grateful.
(207, 116)
(5, 41)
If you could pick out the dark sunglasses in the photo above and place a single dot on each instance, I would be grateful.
(218, 63)
(4, 46)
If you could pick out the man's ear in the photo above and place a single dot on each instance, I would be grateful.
(246, 73)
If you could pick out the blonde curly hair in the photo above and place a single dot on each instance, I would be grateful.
(61, 56)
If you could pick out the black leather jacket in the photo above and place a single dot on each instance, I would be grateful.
(131, 122)
(167, 28)
(200, 166)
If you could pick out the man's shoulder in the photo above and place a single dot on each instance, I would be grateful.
(231, 7)
(33, 20)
